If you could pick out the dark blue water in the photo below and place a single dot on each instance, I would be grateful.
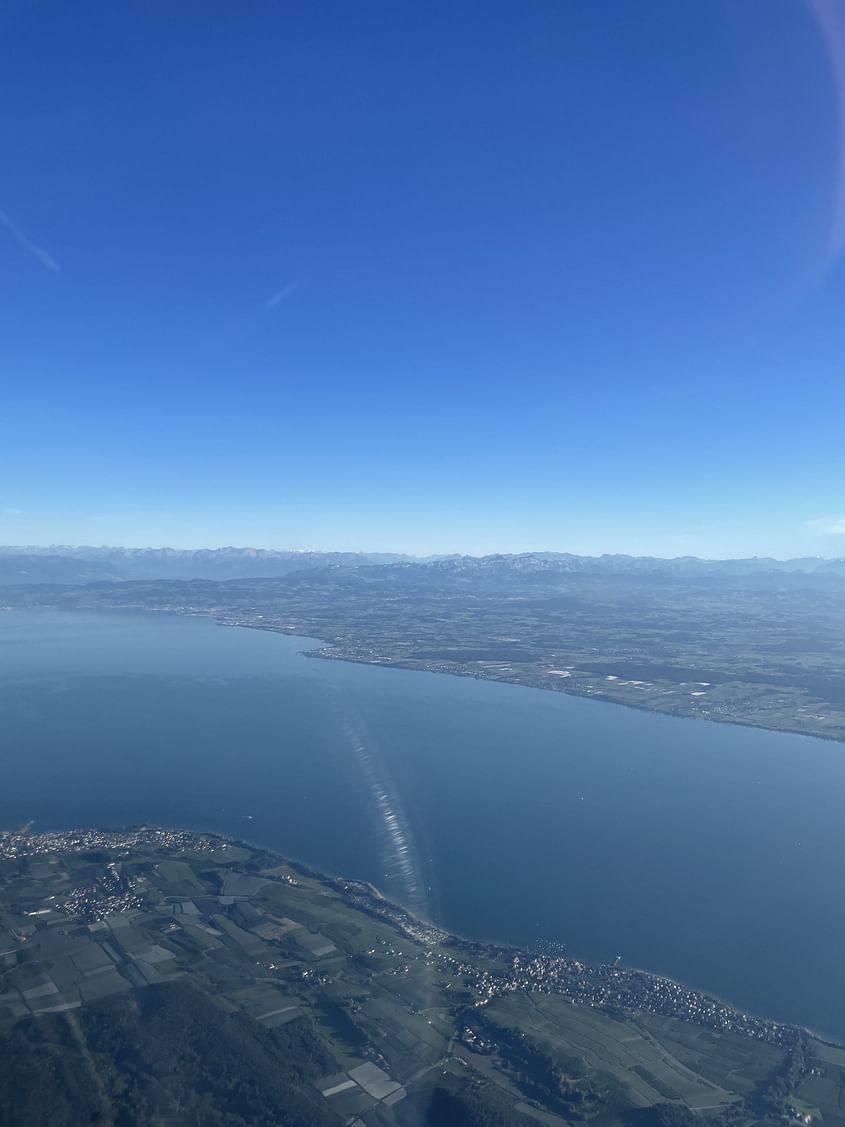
(706, 852)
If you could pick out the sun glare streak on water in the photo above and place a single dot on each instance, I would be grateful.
(398, 847)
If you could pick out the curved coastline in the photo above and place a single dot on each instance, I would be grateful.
(560, 686)
(506, 948)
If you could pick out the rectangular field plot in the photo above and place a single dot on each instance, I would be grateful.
(821, 1092)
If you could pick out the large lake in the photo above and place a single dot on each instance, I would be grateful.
(710, 853)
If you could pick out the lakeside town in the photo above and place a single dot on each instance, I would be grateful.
(610, 988)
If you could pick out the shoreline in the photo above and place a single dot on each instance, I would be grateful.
(557, 688)
(498, 948)
(502, 947)
(316, 654)
(505, 946)
(509, 948)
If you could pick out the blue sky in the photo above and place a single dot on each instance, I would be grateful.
(424, 276)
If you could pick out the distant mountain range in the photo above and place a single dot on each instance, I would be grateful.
(62, 564)
(69, 565)
(556, 563)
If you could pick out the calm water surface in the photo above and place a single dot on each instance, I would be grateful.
(706, 852)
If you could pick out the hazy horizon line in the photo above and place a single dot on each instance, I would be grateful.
(411, 556)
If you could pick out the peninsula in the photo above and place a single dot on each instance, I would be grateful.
(756, 642)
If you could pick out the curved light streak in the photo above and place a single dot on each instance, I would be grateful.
(398, 848)
(829, 17)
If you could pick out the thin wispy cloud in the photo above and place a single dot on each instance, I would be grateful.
(834, 526)
(11, 511)
(282, 295)
(43, 256)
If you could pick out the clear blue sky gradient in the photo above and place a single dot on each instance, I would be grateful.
(424, 276)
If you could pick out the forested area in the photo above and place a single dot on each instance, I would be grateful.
(167, 1055)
